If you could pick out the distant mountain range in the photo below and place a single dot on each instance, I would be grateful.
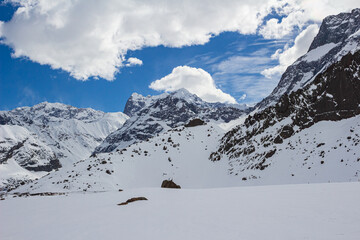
(47, 136)
(306, 130)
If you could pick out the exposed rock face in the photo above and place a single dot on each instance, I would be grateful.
(337, 28)
(135, 103)
(333, 95)
(26, 149)
(156, 114)
(338, 35)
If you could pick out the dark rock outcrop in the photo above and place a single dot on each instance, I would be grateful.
(169, 184)
(195, 122)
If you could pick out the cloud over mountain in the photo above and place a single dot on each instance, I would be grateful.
(288, 55)
(196, 81)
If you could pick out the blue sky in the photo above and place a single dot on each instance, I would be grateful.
(234, 60)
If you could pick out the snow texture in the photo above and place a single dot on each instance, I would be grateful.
(297, 212)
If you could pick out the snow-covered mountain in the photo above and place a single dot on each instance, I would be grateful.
(152, 115)
(338, 35)
(314, 127)
(306, 131)
(50, 135)
(311, 135)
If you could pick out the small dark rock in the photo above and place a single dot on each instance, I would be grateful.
(195, 122)
(169, 184)
(278, 140)
(134, 199)
(270, 153)
(286, 132)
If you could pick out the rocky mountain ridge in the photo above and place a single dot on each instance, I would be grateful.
(338, 35)
(334, 95)
(152, 115)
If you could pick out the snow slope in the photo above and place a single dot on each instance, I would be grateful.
(296, 212)
(317, 53)
(326, 152)
(181, 154)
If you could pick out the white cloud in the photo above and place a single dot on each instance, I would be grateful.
(277, 30)
(243, 97)
(196, 81)
(91, 38)
(289, 55)
(133, 62)
(299, 13)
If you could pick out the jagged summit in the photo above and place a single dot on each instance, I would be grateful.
(138, 101)
(338, 35)
(154, 114)
(337, 28)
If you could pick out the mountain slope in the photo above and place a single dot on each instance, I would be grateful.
(338, 36)
(155, 114)
(50, 135)
(293, 130)
(180, 154)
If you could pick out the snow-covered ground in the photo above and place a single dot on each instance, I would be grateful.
(309, 211)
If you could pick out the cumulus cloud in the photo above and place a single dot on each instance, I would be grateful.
(133, 62)
(196, 81)
(289, 55)
(91, 38)
(274, 29)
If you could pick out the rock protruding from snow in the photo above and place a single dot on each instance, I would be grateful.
(169, 184)
(152, 115)
(338, 35)
(195, 122)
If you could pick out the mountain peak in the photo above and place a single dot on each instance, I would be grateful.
(182, 93)
(337, 28)
(338, 35)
